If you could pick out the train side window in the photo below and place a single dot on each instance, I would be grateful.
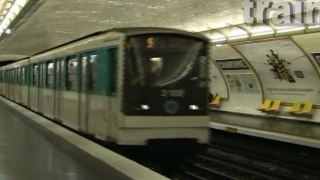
(72, 65)
(39, 76)
(12, 76)
(18, 78)
(58, 74)
(7, 76)
(84, 82)
(62, 82)
(35, 75)
(42, 75)
(92, 73)
(22, 75)
(50, 75)
(21, 82)
(28, 75)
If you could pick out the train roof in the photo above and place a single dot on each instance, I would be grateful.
(130, 31)
(145, 30)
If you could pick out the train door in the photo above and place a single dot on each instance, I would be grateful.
(102, 82)
(58, 88)
(84, 90)
(111, 91)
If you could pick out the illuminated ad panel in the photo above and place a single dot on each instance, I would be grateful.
(238, 75)
(284, 70)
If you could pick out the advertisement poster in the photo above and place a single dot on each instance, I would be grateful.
(234, 83)
(285, 71)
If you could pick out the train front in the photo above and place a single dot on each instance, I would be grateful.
(165, 92)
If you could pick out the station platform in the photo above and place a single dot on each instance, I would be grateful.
(33, 148)
(285, 130)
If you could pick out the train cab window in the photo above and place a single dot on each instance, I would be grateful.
(50, 75)
(92, 73)
(72, 64)
(163, 61)
(35, 75)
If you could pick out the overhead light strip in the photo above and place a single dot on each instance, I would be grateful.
(255, 32)
(10, 13)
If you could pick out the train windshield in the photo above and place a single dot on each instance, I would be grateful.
(164, 60)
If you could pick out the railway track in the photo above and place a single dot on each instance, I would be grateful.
(218, 162)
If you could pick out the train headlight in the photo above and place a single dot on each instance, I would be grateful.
(145, 107)
(194, 107)
(142, 107)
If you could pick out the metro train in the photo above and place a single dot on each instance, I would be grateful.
(125, 85)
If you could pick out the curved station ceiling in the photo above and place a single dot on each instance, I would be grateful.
(44, 24)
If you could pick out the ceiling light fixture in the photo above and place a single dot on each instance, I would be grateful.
(8, 31)
(261, 30)
(289, 29)
(236, 33)
(216, 37)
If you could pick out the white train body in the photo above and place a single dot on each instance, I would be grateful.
(86, 85)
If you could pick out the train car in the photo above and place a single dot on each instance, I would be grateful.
(15, 81)
(127, 85)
